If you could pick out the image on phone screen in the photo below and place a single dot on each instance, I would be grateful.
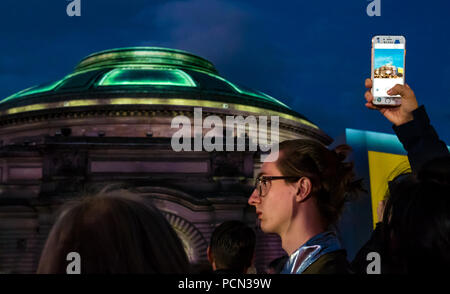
(388, 69)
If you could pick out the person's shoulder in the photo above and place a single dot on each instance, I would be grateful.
(330, 263)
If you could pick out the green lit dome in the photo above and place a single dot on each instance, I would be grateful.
(144, 77)
(146, 69)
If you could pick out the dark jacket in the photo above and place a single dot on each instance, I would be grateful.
(422, 144)
(420, 140)
(375, 244)
(331, 263)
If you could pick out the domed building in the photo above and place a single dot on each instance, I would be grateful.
(109, 123)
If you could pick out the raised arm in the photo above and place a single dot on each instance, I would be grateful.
(411, 124)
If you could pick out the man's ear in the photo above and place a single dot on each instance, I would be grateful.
(304, 187)
(211, 258)
(209, 255)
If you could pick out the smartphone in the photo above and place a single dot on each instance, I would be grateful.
(388, 68)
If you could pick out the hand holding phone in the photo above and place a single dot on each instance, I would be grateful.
(388, 68)
(397, 115)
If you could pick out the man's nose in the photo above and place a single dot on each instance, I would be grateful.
(254, 198)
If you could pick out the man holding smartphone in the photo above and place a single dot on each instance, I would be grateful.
(411, 124)
(420, 140)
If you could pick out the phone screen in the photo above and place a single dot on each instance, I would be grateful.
(388, 68)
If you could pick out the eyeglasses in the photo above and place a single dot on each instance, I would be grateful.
(263, 184)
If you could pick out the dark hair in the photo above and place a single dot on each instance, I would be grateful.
(417, 220)
(232, 246)
(115, 232)
(332, 179)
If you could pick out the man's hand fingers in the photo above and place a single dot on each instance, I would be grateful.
(398, 90)
(369, 98)
(368, 83)
(371, 106)
(368, 95)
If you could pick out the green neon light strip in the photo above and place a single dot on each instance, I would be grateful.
(34, 90)
(263, 95)
(242, 91)
(156, 101)
(144, 55)
(273, 99)
(146, 76)
(43, 88)
(16, 94)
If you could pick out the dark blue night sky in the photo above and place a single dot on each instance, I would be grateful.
(311, 55)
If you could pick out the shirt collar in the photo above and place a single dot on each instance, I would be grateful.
(311, 251)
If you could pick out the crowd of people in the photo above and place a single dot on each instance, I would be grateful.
(300, 197)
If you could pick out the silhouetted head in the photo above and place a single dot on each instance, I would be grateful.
(232, 247)
(417, 220)
(114, 232)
